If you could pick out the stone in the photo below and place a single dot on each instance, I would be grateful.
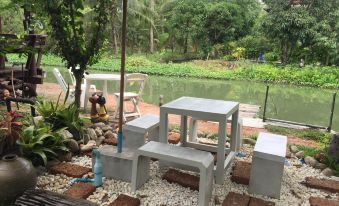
(288, 153)
(80, 190)
(37, 119)
(173, 138)
(320, 166)
(70, 170)
(65, 157)
(318, 201)
(310, 161)
(259, 202)
(110, 134)
(73, 146)
(88, 147)
(66, 134)
(52, 163)
(106, 128)
(320, 157)
(99, 124)
(183, 179)
(125, 200)
(324, 184)
(300, 154)
(248, 141)
(100, 140)
(333, 149)
(236, 199)
(241, 172)
(111, 141)
(98, 132)
(327, 172)
(92, 134)
(294, 149)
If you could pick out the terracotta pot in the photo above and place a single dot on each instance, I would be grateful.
(16, 175)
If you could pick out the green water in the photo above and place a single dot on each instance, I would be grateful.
(299, 104)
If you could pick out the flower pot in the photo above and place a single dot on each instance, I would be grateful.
(16, 175)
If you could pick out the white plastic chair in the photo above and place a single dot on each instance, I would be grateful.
(64, 86)
(92, 86)
(135, 78)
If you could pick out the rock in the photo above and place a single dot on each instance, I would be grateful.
(92, 134)
(241, 172)
(52, 163)
(67, 157)
(66, 134)
(320, 157)
(328, 172)
(99, 124)
(111, 141)
(73, 146)
(100, 140)
(294, 149)
(318, 201)
(106, 128)
(320, 166)
(310, 161)
(109, 135)
(248, 141)
(333, 149)
(173, 138)
(98, 132)
(300, 154)
(88, 147)
(288, 153)
(200, 134)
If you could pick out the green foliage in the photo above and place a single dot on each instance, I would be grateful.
(40, 143)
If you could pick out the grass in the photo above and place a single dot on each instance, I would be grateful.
(325, 77)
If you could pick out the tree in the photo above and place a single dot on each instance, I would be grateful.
(75, 46)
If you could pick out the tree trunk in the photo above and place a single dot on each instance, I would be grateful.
(2, 58)
(78, 74)
(284, 52)
(327, 61)
(186, 39)
(114, 36)
(151, 30)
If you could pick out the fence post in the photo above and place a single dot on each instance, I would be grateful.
(161, 100)
(329, 128)
(265, 105)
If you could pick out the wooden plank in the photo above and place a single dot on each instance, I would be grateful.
(47, 198)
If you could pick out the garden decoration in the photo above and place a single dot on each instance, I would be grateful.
(102, 115)
(97, 170)
(16, 175)
(9, 132)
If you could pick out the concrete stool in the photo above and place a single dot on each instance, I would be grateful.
(135, 131)
(268, 165)
(181, 155)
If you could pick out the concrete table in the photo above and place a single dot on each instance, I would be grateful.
(99, 77)
(209, 110)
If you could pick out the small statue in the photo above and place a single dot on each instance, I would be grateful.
(6, 93)
(102, 115)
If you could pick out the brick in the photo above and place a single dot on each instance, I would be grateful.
(70, 170)
(183, 179)
(317, 201)
(259, 202)
(236, 199)
(241, 172)
(125, 200)
(80, 190)
(324, 184)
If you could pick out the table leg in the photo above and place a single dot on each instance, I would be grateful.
(183, 130)
(234, 131)
(192, 132)
(219, 173)
(86, 94)
(104, 89)
(163, 126)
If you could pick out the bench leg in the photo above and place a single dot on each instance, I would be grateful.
(140, 171)
(153, 135)
(205, 185)
(219, 174)
(183, 130)
(192, 132)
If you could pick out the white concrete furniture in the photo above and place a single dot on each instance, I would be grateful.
(99, 77)
(139, 81)
(268, 165)
(187, 156)
(136, 131)
(92, 86)
(210, 110)
(193, 127)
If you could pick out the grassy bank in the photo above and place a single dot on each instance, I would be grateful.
(314, 76)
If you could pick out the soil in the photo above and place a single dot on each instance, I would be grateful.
(183, 179)
(80, 190)
(241, 173)
(324, 184)
(125, 200)
(70, 170)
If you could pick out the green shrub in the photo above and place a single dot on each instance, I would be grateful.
(271, 56)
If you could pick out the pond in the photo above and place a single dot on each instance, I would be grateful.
(299, 104)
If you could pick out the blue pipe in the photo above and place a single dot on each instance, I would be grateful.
(119, 141)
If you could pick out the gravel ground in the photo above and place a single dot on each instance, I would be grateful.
(159, 192)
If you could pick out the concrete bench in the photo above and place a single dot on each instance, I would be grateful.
(136, 131)
(181, 155)
(268, 165)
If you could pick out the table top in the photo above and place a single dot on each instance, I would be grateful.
(114, 77)
(199, 105)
